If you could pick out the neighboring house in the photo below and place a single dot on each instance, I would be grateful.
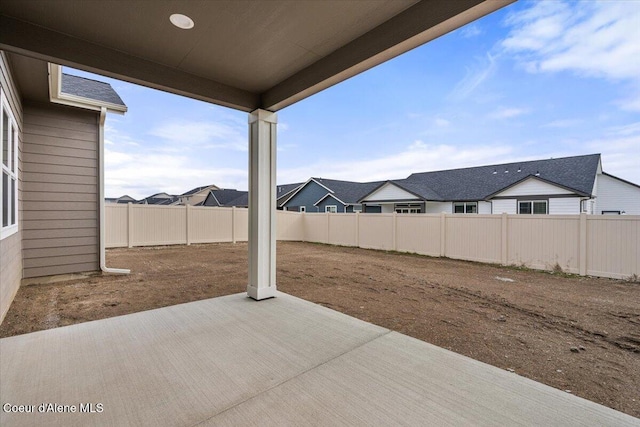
(569, 185)
(51, 196)
(326, 195)
(227, 198)
(122, 199)
(284, 191)
(163, 199)
(197, 195)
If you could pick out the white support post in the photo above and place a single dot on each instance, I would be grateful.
(262, 205)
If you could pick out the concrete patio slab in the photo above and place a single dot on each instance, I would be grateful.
(283, 361)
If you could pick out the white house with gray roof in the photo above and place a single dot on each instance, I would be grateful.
(569, 185)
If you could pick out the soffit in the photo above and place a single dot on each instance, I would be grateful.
(244, 54)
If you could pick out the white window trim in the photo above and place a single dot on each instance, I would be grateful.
(331, 209)
(546, 203)
(5, 107)
(303, 209)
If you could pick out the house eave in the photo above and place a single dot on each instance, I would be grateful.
(58, 97)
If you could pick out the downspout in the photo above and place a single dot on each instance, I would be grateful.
(103, 258)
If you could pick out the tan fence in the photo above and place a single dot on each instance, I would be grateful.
(148, 225)
(606, 246)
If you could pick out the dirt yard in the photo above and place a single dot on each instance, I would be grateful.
(577, 334)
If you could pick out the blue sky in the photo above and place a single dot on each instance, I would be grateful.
(533, 80)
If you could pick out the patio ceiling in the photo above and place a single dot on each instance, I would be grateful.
(241, 54)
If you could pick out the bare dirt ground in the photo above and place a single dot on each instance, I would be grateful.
(573, 333)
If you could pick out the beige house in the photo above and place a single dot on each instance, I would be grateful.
(52, 134)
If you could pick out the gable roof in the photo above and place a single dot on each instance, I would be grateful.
(226, 197)
(91, 89)
(479, 183)
(348, 192)
(198, 189)
(159, 199)
(285, 189)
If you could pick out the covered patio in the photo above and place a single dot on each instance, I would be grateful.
(233, 360)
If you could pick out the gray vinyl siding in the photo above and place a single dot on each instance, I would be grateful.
(11, 247)
(60, 198)
(330, 201)
(307, 196)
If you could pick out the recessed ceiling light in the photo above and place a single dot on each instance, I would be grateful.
(181, 21)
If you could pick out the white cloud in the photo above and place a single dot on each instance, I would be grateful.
(416, 157)
(474, 77)
(563, 123)
(619, 147)
(507, 113)
(207, 134)
(471, 30)
(592, 39)
(144, 174)
(440, 122)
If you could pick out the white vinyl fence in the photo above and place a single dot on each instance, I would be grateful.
(606, 246)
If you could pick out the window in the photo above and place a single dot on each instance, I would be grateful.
(535, 207)
(408, 208)
(303, 209)
(465, 207)
(9, 166)
(331, 208)
(610, 212)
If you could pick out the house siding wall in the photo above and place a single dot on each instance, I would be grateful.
(307, 196)
(509, 206)
(11, 247)
(60, 208)
(331, 201)
(616, 195)
(391, 192)
(438, 207)
(564, 206)
(484, 208)
(532, 187)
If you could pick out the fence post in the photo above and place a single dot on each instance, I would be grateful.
(357, 229)
(328, 226)
(443, 230)
(233, 224)
(503, 247)
(394, 233)
(129, 225)
(188, 224)
(582, 261)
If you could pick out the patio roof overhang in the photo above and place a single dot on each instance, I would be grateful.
(254, 56)
(245, 55)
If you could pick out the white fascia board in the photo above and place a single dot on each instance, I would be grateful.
(58, 97)
(329, 195)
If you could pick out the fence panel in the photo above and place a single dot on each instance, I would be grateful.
(158, 225)
(316, 227)
(207, 225)
(241, 225)
(473, 237)
(543, 242)
(613, 246)
(289, 226)
(376, 231)
(343, 229)
(117, 226)
(419, 233)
